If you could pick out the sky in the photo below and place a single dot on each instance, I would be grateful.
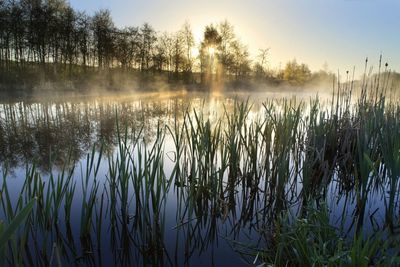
(340, 33)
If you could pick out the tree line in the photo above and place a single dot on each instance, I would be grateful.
(51, 33)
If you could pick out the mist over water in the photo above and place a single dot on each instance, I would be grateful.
(54, 134)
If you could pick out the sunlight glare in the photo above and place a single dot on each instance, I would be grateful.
(211, 51)
(194, 52)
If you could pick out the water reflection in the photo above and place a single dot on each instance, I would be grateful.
(167, 185)
(39, 132)
(61, 130)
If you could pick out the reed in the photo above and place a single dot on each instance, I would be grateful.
(313, 241)
(271, 175)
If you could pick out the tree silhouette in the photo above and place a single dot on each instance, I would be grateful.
(207, 49)
(226, 46)
(49, 39)
(146, 45)
(103, 30)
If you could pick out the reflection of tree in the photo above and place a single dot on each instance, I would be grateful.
(206, 219)
(105, 124)
(211, 204)
(63, 132)
(2, 143)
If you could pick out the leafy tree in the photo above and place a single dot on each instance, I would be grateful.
(220, 43)
(241, 61)
(226, 46)
(295, 73)
(211, 41)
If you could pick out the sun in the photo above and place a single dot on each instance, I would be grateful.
(211, 51)
(194, 51)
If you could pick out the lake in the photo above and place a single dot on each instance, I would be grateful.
(197, 179)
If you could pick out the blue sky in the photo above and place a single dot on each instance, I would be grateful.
(340, 32)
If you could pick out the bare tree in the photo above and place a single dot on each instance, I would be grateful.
(166, 44)
(161, 57)
(178, 53)
(188, 42)
(260, 65)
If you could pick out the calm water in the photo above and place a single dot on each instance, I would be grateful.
(59, 133)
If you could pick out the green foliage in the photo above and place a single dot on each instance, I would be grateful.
(312, 241)
(296, 73)
(7, 231)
